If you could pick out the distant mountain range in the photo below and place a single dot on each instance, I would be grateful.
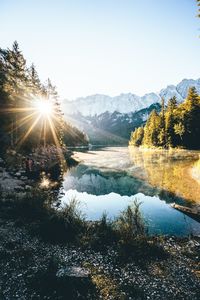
(110, 120)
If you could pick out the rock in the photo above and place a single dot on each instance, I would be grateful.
(76, 281)
(24, 178)
(28, 187)
(76, 272)
(18, 174)
(22, 171)
(18, 188)
(6, 175)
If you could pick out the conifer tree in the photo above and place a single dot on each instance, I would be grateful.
(192, 118)
(52, 95)
(34, 83)
(137, 137)
(161, 126)
(170, 118)
(151, 129)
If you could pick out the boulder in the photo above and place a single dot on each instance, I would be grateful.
(75, 281)
(76, 272)
(18, 174)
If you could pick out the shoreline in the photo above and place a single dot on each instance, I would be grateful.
(54, 271)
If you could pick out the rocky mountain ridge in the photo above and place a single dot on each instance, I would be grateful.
(126, 103)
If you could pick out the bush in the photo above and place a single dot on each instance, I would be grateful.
(130, 223)
(53, 225)
(133, 241)
(64, 225)
(128, 232)
(99, 234)
(36, 205)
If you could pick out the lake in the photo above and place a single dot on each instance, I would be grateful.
(109, 179)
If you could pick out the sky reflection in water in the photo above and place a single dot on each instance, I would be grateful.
(110, 179)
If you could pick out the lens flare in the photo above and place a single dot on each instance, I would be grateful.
(36, 111)
(44, 108)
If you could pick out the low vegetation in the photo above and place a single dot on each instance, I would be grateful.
(127, 233)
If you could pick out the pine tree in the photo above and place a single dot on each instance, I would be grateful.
(191, 119)
(52, 96)
(137, 137)
(15, 84)
(170, 119)
(34, 83)
(161, 128)
(151, 130)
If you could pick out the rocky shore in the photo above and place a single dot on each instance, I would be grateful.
(14, 178)
(33, 269)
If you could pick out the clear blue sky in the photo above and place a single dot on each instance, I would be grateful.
(105, 46)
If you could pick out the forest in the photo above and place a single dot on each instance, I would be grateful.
(177, 125)
(20, 91)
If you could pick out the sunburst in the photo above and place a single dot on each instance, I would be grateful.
(40, 111)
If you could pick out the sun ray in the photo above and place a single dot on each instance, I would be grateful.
(40, 111)
(28, 132)
(23, 121)
(58, 146)
(16, 110)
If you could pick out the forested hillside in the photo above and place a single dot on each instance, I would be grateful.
(23, 99)
(177, 125)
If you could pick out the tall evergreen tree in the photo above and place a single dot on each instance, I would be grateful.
(34, 83)
(192, 118)
(151, 129)
(161, 128)
(137, 137)
(170, 118)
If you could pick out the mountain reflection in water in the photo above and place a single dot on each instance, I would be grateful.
(109, 179)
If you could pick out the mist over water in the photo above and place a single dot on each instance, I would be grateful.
(111, 178)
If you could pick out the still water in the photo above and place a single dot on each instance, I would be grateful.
(109, 179)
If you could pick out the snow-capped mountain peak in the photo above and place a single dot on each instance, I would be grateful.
(127, 102)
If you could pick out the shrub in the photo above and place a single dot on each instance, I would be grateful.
(99, 234)
(35, 205)
(36, 209)
(64, 225)
(132, 236)
(130, 223)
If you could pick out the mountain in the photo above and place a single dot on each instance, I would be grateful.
(111, 128)
(110, 120)
(125, 103)
(98, 104)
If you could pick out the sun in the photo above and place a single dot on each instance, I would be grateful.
(44, 107)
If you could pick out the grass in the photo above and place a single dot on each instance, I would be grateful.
(35, 209)
(127, 233)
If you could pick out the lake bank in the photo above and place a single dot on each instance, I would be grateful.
(33, 268)
(42, 268)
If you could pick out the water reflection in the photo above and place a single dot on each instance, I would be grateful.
(169, 170)
(100, 182)
(109, 179)
(159, 216)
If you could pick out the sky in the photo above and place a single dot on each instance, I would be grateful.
(105, 46)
